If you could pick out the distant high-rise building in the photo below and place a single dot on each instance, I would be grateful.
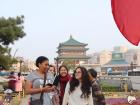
(17, 66)
(23, 65)
(94, 58)
(30, 65)
(121, 49)
(100, 58)
(105, 56)
(133, 55)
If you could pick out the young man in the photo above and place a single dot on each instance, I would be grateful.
(98, 97)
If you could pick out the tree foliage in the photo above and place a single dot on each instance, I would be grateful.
(11, 30)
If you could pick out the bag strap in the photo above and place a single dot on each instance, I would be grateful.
(56, 80)
(41, 96)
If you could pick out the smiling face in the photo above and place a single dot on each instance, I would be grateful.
(63, 71)
(44, 66)
(78, 74)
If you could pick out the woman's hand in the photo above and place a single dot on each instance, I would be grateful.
(54, 87)
(48, 89)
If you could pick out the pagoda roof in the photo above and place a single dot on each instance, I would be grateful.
(72, 42)
(114, 62)
(73, 57)
(73, 48)
(117, 60)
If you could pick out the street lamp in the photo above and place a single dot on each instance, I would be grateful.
(57, 61)
(20, 59)
(132, 67)
(20, 64)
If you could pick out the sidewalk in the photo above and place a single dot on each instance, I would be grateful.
(25, 100)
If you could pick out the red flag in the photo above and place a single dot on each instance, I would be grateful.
(127, 17)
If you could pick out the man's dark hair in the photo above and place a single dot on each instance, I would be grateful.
(40, 60)
(19, 74)
(93, 72)
(12, 73)
(52, 66)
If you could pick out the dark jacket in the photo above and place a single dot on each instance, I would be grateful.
(98, 97)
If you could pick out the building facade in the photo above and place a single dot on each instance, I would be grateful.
(121, 49)
(117, 64)
(100, 58)
(105, 57)
(72, 50)
(133, 55)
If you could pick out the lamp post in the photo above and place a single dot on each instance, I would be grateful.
(134, 64)
(20, 59)
(20, 62)
(57, 61)
(132, 67)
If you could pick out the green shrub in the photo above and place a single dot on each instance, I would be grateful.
(108, 88)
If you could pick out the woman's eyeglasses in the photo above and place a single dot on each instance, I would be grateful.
(78, 72)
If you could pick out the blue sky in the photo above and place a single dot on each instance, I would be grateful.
(49, 22)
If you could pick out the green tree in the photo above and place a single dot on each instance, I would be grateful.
(11, 29)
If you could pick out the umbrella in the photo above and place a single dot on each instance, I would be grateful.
(8, 91)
